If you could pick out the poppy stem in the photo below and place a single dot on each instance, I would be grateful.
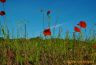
(5, 14)
(59, 33)
(55, 26)
(25, 31)
(48, 21)
(80, 34)
(43, 19)
(85, 35)
(5, 24)
(0, 30)
(54, 31)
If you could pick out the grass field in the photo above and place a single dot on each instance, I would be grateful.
(37, 51)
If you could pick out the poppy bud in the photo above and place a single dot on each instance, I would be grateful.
(2, 13)
(3, 1)
(48, 12)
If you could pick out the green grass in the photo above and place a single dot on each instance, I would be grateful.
(45, 52)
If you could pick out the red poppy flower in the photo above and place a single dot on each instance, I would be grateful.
(48, 12)
(3, 1)
(2, 13)
(82, 24)
(76, 29)
(47, 32)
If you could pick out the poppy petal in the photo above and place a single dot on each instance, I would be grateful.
(82, 24)
(76, 29)
(47, 32)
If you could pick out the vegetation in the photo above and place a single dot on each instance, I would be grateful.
(51, 51)
(37, 51)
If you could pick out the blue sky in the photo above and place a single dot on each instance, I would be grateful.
(65, 12)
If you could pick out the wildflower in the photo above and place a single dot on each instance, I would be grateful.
(82, 24)
(2, 13)
(76, 29)
(3, 1)
(47, 32)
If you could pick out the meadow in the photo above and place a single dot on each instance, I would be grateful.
(47, 50)
(53, 51)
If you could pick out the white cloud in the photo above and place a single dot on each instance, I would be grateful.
(56, 26)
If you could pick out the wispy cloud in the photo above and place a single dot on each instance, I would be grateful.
(56, 26)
